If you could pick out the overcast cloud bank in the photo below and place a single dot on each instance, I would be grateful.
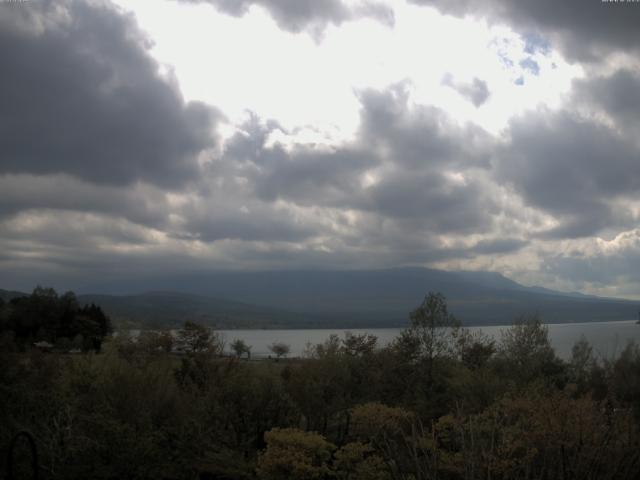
(107, 170)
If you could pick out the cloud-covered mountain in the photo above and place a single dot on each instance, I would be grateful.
(346, 299)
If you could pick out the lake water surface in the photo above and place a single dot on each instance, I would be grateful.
(607, 338)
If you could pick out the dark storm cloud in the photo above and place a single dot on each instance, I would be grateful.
(432, 202)
(298, 15)
(616, 94)
(573, 168)
(477, 91)
(584, 29)
(497, 246)
(139, 204)
(81, 96)
(266, 228)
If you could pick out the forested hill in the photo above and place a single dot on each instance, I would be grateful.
(6, 295)
(348, 299)
(170, 309)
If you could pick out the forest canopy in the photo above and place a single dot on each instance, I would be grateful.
(47, 318)
(433, 404)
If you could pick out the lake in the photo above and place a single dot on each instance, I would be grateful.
(607, 338)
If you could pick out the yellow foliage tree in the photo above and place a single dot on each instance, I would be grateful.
(294, 454)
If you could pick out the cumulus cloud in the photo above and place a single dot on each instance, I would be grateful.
(417, 135)
(314, 15)
(572, 167)
(81, 96)
(408, 162)
(304, 174)
(477, 91)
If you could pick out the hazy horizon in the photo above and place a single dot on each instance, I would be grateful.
(174, 283)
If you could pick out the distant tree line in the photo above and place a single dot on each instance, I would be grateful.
(58, 320)
(437, 403)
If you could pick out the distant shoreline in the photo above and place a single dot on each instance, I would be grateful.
(373, 327)
(608, 338)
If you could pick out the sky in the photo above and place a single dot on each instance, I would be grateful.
(160, 138)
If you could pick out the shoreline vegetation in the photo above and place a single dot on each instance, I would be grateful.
(438, 402)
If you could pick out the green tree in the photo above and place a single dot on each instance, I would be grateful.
(330, 347)
(359, 461)
(359, 345)
(196, 338)
(44, 315)
(625, 376)
(582, 363)
(322, 388)
(474, 349)
(240, 348)
(526, 351)
(433, 327)
(279, 349)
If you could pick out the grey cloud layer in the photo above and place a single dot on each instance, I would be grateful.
(141, 204)
(575, 166)
(584, 29)
(409, 149)
(615, 95)
(100, 164)
(82, 97)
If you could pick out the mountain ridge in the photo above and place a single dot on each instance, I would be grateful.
(347, 299)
